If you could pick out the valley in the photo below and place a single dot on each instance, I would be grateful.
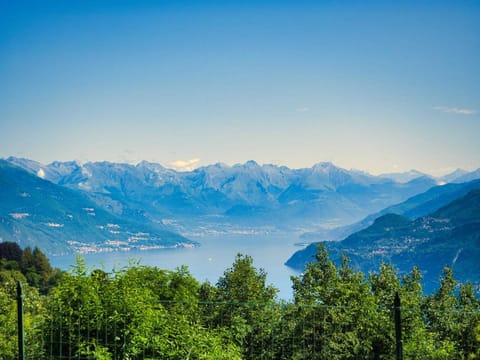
(122, 211)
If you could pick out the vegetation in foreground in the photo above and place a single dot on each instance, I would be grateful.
(142, 312)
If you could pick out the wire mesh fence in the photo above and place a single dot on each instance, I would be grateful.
(206, 330)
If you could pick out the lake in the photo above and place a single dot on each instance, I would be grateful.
(210, 260)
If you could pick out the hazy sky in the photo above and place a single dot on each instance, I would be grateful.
(378, 86)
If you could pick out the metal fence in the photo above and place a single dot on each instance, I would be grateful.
(34, 327)
(56, 334)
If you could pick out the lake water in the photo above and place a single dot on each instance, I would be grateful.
(210, 260)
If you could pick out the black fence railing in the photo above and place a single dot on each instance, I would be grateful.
(211, 330)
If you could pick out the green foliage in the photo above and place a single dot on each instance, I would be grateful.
(33, 318)
(341, 315)
(141, 312)
(8, 318)
(453, 314)
(243, 304)
(131, 313)
(34, 265)
(337, 311)
(10, 251)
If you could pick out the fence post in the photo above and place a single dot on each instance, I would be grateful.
(21, 330)
(398, 328)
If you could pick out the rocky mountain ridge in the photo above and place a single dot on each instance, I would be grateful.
(267, 196)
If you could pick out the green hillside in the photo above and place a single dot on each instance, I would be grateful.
(36, 212)
(449, 236)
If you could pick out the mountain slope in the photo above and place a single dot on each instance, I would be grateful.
(414, 207)
(227, 197)
(36, 212)
(448, 236)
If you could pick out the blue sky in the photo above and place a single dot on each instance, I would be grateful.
(378, 86)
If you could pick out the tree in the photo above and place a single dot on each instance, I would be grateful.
(10, 251)
(385, 284)
(38, 271)
(336, 311)
(416, 338)
(446, 317)
(244, 304)
(126, 315)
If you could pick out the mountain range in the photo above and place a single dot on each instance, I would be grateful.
(171, 206)
(266, 195)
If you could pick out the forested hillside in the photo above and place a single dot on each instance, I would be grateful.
(141, 312)
(448, 236)
(36, 212)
